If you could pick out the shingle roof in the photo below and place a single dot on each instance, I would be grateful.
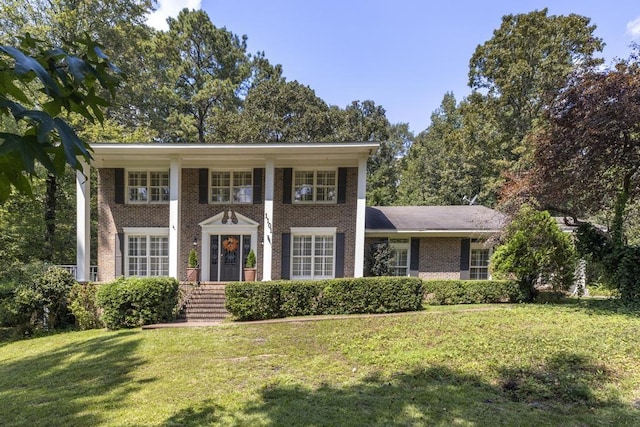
(433, 218)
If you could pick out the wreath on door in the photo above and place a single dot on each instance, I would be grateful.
(230, 244)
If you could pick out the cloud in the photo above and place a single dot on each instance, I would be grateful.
(169, 8)
(633, 27)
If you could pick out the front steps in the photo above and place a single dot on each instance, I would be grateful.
(203, 303)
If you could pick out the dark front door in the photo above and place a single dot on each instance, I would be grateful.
(230, 258)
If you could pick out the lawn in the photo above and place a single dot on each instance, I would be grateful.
(571, 365)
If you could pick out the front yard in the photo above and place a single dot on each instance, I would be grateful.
(525, 365)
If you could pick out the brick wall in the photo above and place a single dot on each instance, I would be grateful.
(439, 258)
(112, 218)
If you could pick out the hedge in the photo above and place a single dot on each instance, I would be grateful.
(136, 301)
(443, 292)
(259, 300)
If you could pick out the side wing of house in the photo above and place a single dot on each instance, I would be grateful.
(435, 242)
(299, 207)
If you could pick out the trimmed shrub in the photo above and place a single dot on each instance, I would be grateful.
(136, 301)
(82, 303)
(258, 301)
(443, 292)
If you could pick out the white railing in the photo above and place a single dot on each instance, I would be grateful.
(93, 271)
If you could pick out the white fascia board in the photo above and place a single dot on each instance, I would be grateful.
(430, 233)
(203, 155)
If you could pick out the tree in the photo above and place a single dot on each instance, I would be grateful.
(529, 58)
(279, 111)
(203, 70)
(587, 159)
(65, 83)
(535, 249)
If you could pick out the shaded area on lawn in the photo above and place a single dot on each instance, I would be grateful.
(558, 392)
(74, 384)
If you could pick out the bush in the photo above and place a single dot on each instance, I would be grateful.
(443, 292)
(38, 303)
(82, 303)
(257, 301)
(136, 301)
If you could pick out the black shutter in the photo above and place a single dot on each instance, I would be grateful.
(414, 262)
(285, 264)
(119, 184)
(287, 177)
(342, 185)
(203, 186)
(339, 255)
(119, 254)
(257, 186)
(465, 249)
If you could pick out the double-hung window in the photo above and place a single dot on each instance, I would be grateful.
(318, 186)
(148, 186)
(399, 265)
(231, 186)
(147, 252)
(479, 262)
(313, 253)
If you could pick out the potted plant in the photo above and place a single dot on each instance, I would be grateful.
(250, 267)
(193, 270)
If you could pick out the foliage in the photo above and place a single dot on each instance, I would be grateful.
(535, 250)
(66, 83)
(82, 303)
(528, 59)
(443, 292)
(257, 301)
(39, 303)
(136, 301)
(250, 262)
(378, 261)
(192, 262)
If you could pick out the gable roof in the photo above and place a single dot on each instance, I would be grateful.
(434, 220)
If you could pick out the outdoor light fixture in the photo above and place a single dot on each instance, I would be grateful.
(195, 242)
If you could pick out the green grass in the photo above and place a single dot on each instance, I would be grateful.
(530, 365)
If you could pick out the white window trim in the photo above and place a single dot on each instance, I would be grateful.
(231, 186)
(479, 245)
(148, 172)
(140, 231)
(402, 244)
(315, 187)
(313, 232)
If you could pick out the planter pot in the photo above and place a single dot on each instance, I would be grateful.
(249, 274)
(193, 274)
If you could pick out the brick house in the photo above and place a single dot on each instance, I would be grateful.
(300, 207)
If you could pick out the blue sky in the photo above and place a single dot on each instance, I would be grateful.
(402, 54)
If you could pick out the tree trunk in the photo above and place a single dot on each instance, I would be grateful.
(50, 208)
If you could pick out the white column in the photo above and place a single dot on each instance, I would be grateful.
(358, 269)
(83, 222)
(267, 241)
(174, 216)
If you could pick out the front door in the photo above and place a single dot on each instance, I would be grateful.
(230, 258)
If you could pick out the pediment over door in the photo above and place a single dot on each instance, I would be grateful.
(216, 221)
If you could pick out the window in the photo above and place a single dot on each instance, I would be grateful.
(231, 187)
(147, 253)
(479, 263)
(399, 265)
(315, 186)
(148, 186)
(312, 254)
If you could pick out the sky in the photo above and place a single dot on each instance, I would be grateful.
(402, 54)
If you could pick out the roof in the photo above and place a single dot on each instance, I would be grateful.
(250, 154)
(433, 220)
